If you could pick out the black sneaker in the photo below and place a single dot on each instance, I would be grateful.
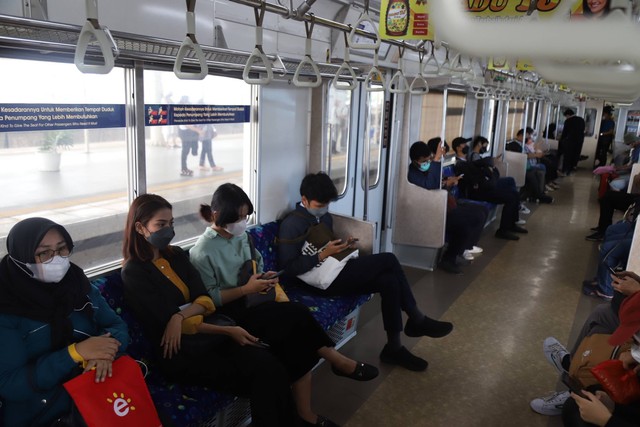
(427, 327)
(518, 229)
(450, 267)
(403, 357)
(506, 235)
(545, 199)
(595, 237)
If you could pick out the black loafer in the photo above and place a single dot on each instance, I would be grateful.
(322, 422)
(363, 372)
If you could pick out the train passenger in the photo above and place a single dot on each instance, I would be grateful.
(535, 177)
(51, 321)
(571, 141)
(378, 273)
(464, 222)
(598, 408)
(605, 136)
(482, 183)
(624, 171)
(609, 203)
(207, 133)
(292, 334)
(602, 320)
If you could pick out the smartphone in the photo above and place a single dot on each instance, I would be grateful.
(272, 276)
(615, 273)
(262, 344)
(574, 385)
(353, 239)
(461, 175)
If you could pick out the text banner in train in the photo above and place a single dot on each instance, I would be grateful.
(28, 117)
(409, 19)
(186, 114)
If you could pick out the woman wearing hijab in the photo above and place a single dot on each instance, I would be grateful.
(51, 321)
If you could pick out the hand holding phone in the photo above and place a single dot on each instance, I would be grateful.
(574, 385)
(262, 344)
(614, 272)
(267, 276)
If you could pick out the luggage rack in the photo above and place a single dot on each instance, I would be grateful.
(43, 37)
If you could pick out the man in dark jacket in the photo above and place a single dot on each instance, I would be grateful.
(379, 273)
(571, 140)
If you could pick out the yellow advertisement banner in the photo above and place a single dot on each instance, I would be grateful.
(410, 19)
(405, 19)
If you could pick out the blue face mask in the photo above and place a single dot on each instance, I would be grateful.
(424, 166)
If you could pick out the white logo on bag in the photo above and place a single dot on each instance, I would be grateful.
(121, 405)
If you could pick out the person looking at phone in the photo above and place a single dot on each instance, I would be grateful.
(288, 328)
(378, 273)
(465, 221)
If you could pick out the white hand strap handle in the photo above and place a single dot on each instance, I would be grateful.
(399, 80)
(419, 85)
(307, 60)
(258, 55)
(431, 66)
(364, 17)
(374, 75)
(348, 82)
(190, 43)
(90, 30)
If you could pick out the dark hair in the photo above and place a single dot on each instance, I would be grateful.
(420, 149)
(459, 141)
(433, 144)
(568, 112)
(143, 208)
(318, 187)
(227, 200)
(478, 140)
(586, 10)
(608, 109)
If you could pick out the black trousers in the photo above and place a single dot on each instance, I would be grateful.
(378, 273)
(500, 196)
(464, 226)
(609, 203)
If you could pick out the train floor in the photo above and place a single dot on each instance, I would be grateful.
(491, 366)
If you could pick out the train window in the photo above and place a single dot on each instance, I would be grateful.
(64, 154)
(203, 141)
(337, 138)
(455, 115)
(374, 125)
(431, 120)
(590, 115)
(514, 119)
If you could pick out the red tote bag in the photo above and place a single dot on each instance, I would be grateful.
(122, 400)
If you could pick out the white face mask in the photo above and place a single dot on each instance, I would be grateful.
(237, 228)
(51, 272)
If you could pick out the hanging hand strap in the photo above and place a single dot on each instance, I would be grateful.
(419, 85)
(364, 17)
(347, 82)
(307, 60)
(92, 30)
(399, 80)
(374, 75)
(258, 56)
(190, 44)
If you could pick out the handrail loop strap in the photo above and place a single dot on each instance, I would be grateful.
(92, 30)
(374, 74)
(432, 62)
(346, 66)
(419, 85)
(190, 43)
(308, 60)
(258, 55)
(364, 17)
(399, 79)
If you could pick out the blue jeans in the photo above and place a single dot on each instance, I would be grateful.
(614, 251)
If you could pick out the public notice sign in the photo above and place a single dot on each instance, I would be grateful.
(32, 117)
(186, 114)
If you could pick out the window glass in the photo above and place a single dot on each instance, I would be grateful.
(205, 143)
(374, 125)
(77, 120)
(590, 115)
(633, 118)
(431, 120)
(337, 136)
(514, 119)
(455, 115)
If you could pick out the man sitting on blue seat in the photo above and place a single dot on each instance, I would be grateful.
(482, 182)
(307, 244)
(465, 221)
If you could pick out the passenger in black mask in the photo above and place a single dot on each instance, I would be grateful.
(479, 148)
(482, 182)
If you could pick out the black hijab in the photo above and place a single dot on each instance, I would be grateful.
(22, 295)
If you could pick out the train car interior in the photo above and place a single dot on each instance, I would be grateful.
(414, 110)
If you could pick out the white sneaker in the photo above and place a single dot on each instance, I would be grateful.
(554, 352)
(475, 250)
(524, 210)
(521, 222)
(467, 255)
(550, 405)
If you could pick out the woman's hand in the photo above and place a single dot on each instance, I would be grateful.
(241, 336)
(103, 368)
(592, 409)
(172, 335)
(102, 347)
(626, 285)
(631, 274)
(256, 284)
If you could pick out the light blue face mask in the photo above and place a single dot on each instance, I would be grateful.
(318, 212)
(425, 166)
